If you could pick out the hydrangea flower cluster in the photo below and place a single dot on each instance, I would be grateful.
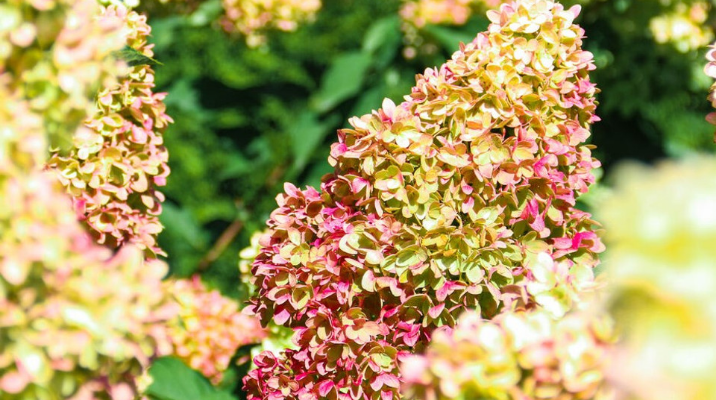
(75, 320)
(661, 226)
(251, 17)
(209, 328)
(460, 197)
(56, 83)
(684, 26)
(118, 159)
(516, 356)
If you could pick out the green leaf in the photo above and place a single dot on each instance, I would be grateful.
(164, 30)
(343, 79)
(383, 33)
(450, 38)
(206, 13)
(236, 167)
(134, 57)
(184, 96)
(306, 135)
(181, 221)
(173, 380)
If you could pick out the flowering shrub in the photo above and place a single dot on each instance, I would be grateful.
(661, 276)
(448, 228)
(75, 320)
(118, 159)
(525, 355)
(251, 17)
(660, 228)
(209, 328)
(460, 197)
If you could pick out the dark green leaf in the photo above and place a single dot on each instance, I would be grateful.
(342, 80)
(236, 167)
(173, 380)
(181, 221)
(383, 40)
(184, 95)
(306, 135)
(450, 38)
(381, 33)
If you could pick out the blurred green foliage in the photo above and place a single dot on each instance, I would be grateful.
(653, 99)
(249, 119)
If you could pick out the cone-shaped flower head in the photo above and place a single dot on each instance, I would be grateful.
(460, 197)
(118, 158)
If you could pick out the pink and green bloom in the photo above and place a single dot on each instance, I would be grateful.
(118, 159)
(208, 328)
(516, 356)
(76, 320)
(461, 197)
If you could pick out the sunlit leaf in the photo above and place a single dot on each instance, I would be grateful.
(342, 80)
(134, 57)
(173, 380)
